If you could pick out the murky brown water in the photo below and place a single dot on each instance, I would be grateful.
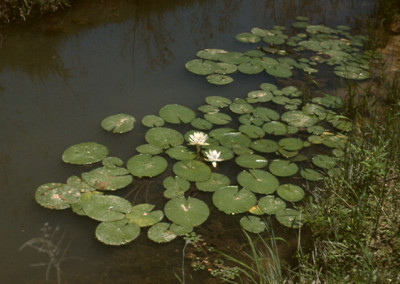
(60, 76)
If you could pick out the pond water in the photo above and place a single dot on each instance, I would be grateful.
(60, 76)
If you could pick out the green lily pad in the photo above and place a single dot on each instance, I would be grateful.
(219, 79)
(281, 100)
(291, 144)
(233, 58)
(279, 70)
(290, 192)
(112, 162)
(105, 178)
(218, 101)
(149, 149)
(290, 218)
(271, 204)
(225, 68)
(352, 72)
(248, 38)
(311, 175)
(258, 181)
(342, 123)
(163, 137)
(161, 233)
(274, 39)
(145, 165)
(85, 153)
(259, 96)
(186, 212)
(106, 207)
(275, 128)
(180, 230)
(315, 129)
(152, 120)
(215, 182)
(208, 109)
(192, 170)
(57, 195)
(79, 184)
(201, 124)
(268, 86)
(283, 168)
(232, 201)
(181, 153)
(250, 68)
(252, 131)
(175, 187)
(218, 118)
(118, 123)
(229, 139)
(251, 161)
(324, 161)
(143, 215)
(264, 146)
(266, 114)
(247, 119)
(201, 67)
(299, 118)
(117, 233)
(174, 113)
(252, 224)
(240, 106)
(210, 53)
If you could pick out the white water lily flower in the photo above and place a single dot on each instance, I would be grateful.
(198, 138)
(213, 156)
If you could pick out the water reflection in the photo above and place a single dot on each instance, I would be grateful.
(61, 76)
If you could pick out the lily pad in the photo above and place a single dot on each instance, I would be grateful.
(181, 153)
(252, 224)
(143, 215)
(201, 67)
(251, 161)
(232, 201)
(290, 218)
(79, 184)
(145, 165)
(186, 212)
(161, 233)
(105, 178)
(290, 192)
(264, 146)
(106, 207)
(218, 101)
(252, 131)
(240, 106)
(149, 149)
(210, 53)
(218, 118)
(258, 181)
(112, 162)
(283, 168)
(266, 114)
(152, 120)
(250, 68)
(85, 153)
(174, 113)
(225, 68)
(299, 118)
(259, 96)
(229, 139)
(311, 175)
(275, 128)
(117, 233)
(271, 204)
(324, 161)
(279, 70)
(219, 79)
(201, 124)
(233, 57)
(56, 195)
(163, 137)
(248, 38)
(215, 182)
(291, 144)
(175, 187)
(118, 123)
(192, 170)
(352, 72)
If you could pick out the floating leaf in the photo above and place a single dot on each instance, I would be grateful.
(118, 123)
(192, 170)
(233, 57)
(211, 54)
(250, 68)
(215, 182)
(201, 67)
(208, 109)
(149, 149)
(264, 146)
(201, 124)
(252, 131)
(232, 201)
(186, 212)
(290, 192)
(117, 233)
(251, 161)
(79, 184)
(225, 68)
(266, 114)
(275, 128)
(175, 187)
(181, 153)
(145, 165)
(260, 96)
(230, 139)
(143, 215)
(252, 224)
(163, 137)
(85, 153)
(283, 168)
(112, 162)
(219, 79)
(56, 195)
(161, 233)
(299, 118)
(218, 118)
(290, 218)
(324, 161)
(258, 181)
(152, 120)
(271, 204)
(291, 144)
(218, 101)
(352, 72)
(240, 106)
(248, 38)
(174, 113)
(105, 178)
(280, 71)
(106, 207)
(311, 175)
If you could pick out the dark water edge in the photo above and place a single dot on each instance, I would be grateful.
(61, 75)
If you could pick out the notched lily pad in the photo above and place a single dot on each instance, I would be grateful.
(192, 170)
(232, 201)
(174, 113)
(143, 215)
(271, 204)
(251, 161)
(219, 79)
(161, 233)
(186, 212)
(85, 153)
(290, 218)
(324, 161)
(117, 233)
(145, 165)
(311, 175)
(201, 67)
(152, 120)
(252, 224)
(175, 187)
(215, 182)
(290, 192)
(218, 101)
(105, 178)
(118, 123)
(163, 137)
(56, 195)
(283, 168)
(106, 207)
(258, 181)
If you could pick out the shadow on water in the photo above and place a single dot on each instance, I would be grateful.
(61, 75)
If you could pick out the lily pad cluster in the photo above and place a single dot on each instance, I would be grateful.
(251, 154)
(280, 55)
